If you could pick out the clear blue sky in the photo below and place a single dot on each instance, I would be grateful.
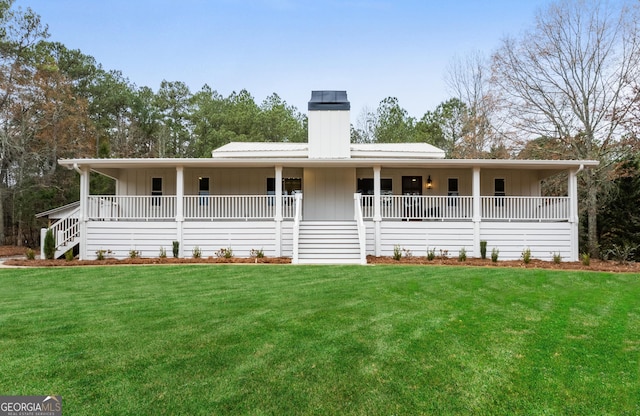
(371, 48)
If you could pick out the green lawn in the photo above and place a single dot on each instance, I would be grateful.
(275, 340)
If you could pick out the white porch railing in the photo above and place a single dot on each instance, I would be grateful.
(195, 207)
(65, 231)
(419, 207)
(132, 207)
(529, 208)
(229, 207)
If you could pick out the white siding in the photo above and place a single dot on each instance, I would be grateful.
(543, 238)
(241, 236)
(328, 193)
(419, 236)
(329, 134)
(123, 236)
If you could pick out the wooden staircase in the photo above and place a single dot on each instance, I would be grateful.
(328, 242)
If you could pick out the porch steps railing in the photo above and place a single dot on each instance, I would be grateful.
(329, 242)
(66, 232)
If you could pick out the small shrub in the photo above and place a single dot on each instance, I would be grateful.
(557, 258)
(197, 252)
(407, 253)
(444, 254)
(68, 255)
(163, 253)
(494, 254)
(483, 249)
(226, 253)
(258, 254)
(397, 252)
(49, 245)
(176, 249)
(585, 258)
(621, 253)
(101, 254)
(431, 254)
(134, 254)
(462, 255)
(30, 253)
(526, 255)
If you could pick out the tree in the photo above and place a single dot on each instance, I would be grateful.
(445, 127)
(469, 81)
(280, 122)
(567, 79)
(394, 124)
(174, 105)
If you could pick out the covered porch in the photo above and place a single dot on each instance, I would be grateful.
(441, 204)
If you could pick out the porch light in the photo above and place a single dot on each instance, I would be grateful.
(429, 182)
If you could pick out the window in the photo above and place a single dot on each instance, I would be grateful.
(365, 186)
(499, 191)
(203, 190)
(452, 189)
(289, 186)
(156, 190)
(292, 185)
(412, 185)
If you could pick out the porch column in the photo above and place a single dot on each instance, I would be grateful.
(573, 212)
(179, 205)
(84, 212)
(377, 215)
(278, 214)
(477, 214)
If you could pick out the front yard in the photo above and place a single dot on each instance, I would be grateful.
(273, 339)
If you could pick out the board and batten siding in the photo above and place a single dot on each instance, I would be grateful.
(123, 236)
(542, 238)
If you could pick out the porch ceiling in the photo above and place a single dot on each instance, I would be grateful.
(108, 165)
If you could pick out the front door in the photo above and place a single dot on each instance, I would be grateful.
(412, 185)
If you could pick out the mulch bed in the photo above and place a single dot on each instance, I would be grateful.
(595, 265)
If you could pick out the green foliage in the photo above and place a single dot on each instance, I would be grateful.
(557, 258)
(49, 245)
(397, 252)
(526, 255)
(68, 255)
(197, 252)
(494, 254)
(102, 254)
(585, 258)
(431, 254)
(394, 125)
(257, 253)
(224, 252)
(462, 255)
(176, 249)
(483, 249)
(134, 254)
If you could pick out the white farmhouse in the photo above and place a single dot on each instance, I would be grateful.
(325, 201)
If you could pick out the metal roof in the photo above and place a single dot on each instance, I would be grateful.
(329, 100)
